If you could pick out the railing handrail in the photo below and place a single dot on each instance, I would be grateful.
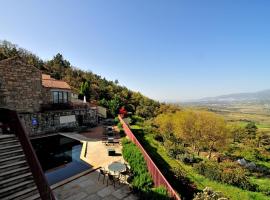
(17, 128)
(148, 158)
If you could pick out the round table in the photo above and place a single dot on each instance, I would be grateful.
(117, 167)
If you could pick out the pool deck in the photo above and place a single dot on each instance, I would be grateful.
(88, 187)
(97, 152)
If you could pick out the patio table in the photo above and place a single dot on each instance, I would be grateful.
(117, 167)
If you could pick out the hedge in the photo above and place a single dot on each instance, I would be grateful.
(142, 181)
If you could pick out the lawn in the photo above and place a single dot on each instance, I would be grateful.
(201, 182)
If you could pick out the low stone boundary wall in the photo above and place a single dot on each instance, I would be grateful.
(49, 122)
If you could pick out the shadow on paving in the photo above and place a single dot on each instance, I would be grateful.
(88, 187)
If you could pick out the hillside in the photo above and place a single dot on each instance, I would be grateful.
(260, 97)
(107, 93)
(240, 108)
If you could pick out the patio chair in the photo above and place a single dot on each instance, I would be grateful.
(117, 136)
(112, 179)
(102, 172)
(126, 173)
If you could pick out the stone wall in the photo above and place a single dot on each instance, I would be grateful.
(20, 86)
(49, 122)
(46, 95)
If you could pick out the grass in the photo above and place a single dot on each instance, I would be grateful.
(135, 127)
(264, 183)
(201, 182)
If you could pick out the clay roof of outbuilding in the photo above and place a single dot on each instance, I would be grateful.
(49, 82)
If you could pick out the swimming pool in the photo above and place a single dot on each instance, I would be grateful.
(59, 157)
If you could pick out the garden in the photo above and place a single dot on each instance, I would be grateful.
(233, 163)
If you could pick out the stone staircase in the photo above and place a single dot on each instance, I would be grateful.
(16, 180)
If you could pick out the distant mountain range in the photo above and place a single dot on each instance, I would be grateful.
(252, 97)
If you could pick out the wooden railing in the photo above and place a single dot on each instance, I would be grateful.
(158, 178)
(16, 127)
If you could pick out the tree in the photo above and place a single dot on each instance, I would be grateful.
(168, 108)
(199, 129)
(58, 66)
(85, 91)
(237, 132)
(215, 134)
(165, 124)
(251, 130)
(186, 127)
(114, 105)
(262, 139)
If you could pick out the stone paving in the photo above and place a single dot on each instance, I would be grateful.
(97, 152)
(89, 188)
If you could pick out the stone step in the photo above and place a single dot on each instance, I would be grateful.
(4, 138)
(9, 142)
(21, 194)
(33, 197)
(7, 136)
(14, 188)
(11, 153)
(9, 181)
(12, 159)
(14, 172)
(18, 164)
(8, 147)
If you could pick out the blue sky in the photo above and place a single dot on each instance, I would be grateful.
(166, 49)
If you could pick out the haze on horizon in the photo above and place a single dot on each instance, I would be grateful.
(167, 50)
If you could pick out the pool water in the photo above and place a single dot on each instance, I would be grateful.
(59, 157)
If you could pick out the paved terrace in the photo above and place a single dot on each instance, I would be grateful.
(88, 187)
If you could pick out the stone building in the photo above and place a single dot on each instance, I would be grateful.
(44, 104)
(55, 91)
(20, 86)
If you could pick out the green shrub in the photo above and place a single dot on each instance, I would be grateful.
(188, 158)
(227, 172)
(135, 119)
(142, 181)
(159, 138)
(159, 193)
(119, 125)
(209, 194)
(209, 169)
(134, 157)
(173, 152)
(116, 120)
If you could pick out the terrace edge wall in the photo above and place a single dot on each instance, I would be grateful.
(49, 122)
(158, 178)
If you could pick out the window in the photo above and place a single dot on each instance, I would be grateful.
(60, 97)
(65, 97)
(55, 97)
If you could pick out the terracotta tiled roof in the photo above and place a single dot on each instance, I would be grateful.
(49, 82)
